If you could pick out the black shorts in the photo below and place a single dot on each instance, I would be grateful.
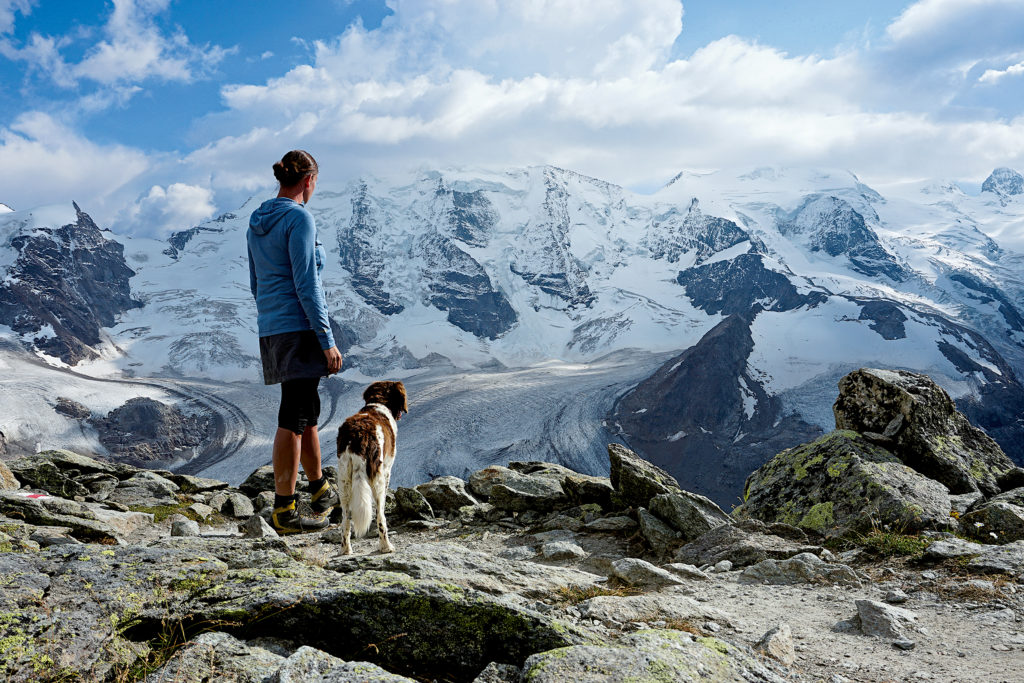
(300, 404)
(292, 355)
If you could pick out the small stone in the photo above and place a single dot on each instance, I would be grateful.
(778, 643)
(929, 575)
(712, 627)
(232, 503)
(904, 644)
(723, 566)
(257, 527)
(896, 597)
(637, 572)
(999, 647)
(886, 621)
(446, 494)
(562, 550)
(520, 552)
(200, 509)
(412, 504)
(185, 527)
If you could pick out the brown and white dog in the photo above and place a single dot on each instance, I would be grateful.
(366, 452)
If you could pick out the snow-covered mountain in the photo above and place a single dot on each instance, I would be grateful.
(763, 287)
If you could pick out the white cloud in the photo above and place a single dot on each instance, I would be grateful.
(7, 10)
(133, 49)
(44, 162)
(995, 75)
(958, 33)
(164, 210)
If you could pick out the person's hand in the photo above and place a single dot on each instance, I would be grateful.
(333, 360)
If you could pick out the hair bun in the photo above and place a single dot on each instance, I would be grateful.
(294, 167)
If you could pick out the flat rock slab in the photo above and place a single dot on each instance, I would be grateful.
(86, 521)
(742, 544)
(665, 605)
(802, 568)
(650, 656)
(636, 572)
(951, 548)
(455, 564)
(1006, 559)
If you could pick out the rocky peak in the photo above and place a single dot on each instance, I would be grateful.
(363, 254)
(1004, 182)
(671, 234)
(831, 225)
(67, 283)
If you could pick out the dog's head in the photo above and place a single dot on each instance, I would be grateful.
(391, 395)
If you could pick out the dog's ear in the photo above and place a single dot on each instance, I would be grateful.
(399, 401)
(375, 393)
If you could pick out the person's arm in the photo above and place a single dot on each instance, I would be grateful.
(252, 273)
(302, 251)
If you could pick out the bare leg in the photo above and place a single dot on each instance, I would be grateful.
(286, 461)
(311, 453)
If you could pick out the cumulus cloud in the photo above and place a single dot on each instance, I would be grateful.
(166, 209)
(44, 162)
(995, 75)
(133, 49)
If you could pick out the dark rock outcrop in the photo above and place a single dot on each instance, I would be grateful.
(144, 430)
(671, 235)
(177, 241)
(1004, 182)
(456, 283)
(363, 255)
(831, 225)
(740, 284)
(66, 284)
(705, 418)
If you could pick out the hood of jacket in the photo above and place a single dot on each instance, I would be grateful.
(269, 214)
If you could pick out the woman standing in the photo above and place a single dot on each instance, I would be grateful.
(296, 344)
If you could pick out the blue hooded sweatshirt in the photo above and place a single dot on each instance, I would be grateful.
(285, 261)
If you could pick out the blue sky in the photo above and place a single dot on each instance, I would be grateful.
(160, 112)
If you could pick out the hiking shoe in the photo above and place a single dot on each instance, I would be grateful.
(324, 500)
(287, 520)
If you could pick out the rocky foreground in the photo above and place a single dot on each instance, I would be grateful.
(889, 550)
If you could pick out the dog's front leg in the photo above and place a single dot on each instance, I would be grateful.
(345, 491)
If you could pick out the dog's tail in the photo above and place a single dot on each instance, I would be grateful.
(362, 443)
(362, 502)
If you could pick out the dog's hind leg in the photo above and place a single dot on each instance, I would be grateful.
(380, 493)
(345, 491)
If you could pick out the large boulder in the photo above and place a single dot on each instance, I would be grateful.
(997, 521)
(145, 489)
(918, 422)
(842, 483)
(689, 513)
(86, 521)
(651, 656)
(635, 480)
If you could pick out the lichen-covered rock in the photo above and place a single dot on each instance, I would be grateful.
(746, 543)
(802, 568)
(411, 504)
(635, 480)
(8, 482)
(453, 563)
(218, 656)
(669, 604)
(689, 513)
(997, 521)
(446, 494)
(842, 483)
(648, 657)
(918, 422)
